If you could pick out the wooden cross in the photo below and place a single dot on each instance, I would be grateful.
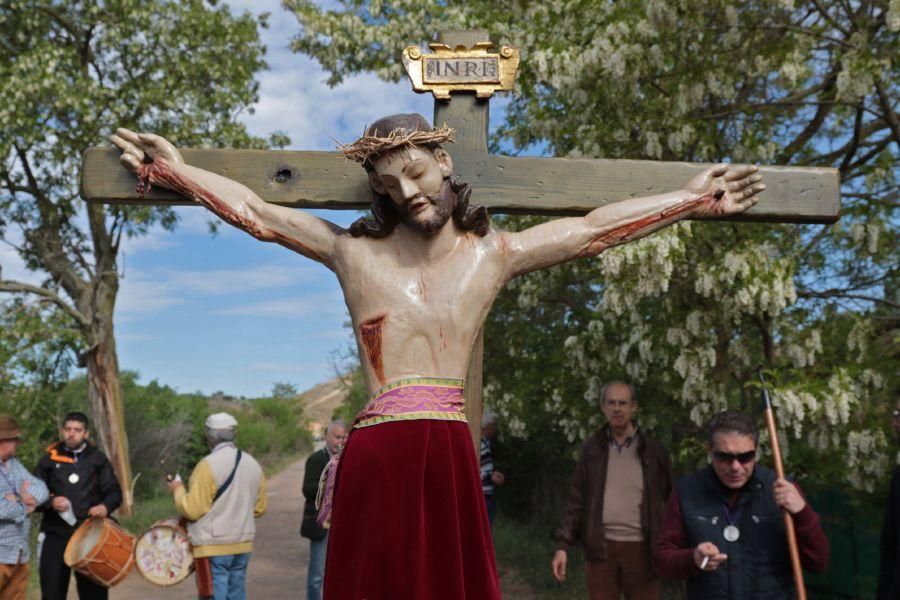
(549, 186)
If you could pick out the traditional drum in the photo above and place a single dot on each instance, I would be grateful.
(164, 555)
(101, 550)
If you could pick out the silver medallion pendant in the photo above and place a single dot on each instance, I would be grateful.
(732, 533)
(73, 478)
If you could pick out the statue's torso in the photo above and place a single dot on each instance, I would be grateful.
(415, 317)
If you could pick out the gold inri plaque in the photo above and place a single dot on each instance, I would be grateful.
(448, 70)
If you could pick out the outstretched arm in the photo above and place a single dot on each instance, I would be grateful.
(156, 161)
(719, 190)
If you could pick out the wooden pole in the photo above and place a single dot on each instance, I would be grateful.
(788, 518)
(468, 115)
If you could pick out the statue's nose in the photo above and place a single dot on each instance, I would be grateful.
(408, 188)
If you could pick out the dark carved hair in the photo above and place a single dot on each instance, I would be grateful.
(731, 421)
(79, 417)
(385, 216)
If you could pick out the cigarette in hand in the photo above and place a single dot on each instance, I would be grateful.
(704, 563)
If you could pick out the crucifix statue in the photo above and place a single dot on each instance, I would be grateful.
(419, 276)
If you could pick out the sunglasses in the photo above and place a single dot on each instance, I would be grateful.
(728, 457)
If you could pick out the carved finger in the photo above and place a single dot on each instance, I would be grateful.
(127, 134)
(756, 189)
(718, 170)
(130, 162)
(740, 171)
(162, 145)
(127, 146)
(740, 184)
(748, 203)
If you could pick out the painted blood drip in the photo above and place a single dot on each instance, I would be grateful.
(163, 174)
(370, 331)
(622, 234)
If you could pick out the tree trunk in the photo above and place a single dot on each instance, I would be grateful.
(107, 406)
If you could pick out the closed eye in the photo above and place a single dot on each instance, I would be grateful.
(415, 169)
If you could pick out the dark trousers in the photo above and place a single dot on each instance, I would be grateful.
(55, 574)
(626, 570)
(491, 504)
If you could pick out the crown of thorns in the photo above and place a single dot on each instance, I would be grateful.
(369, 147)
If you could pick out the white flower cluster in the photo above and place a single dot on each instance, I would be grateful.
(893, 15)
(794, 408)
(867, 459)
(803, 353)
(858, 340)
(842, 396)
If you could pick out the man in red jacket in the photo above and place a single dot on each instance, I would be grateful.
(723, 528)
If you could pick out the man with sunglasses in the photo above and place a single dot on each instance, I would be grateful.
(723, 530)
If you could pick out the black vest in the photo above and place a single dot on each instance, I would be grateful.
(758, 565)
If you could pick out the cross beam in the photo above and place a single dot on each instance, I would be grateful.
(549, 186)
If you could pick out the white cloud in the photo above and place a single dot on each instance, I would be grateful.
(154, 290)
(224, 281)
(302, 307)
(295, 98)
(140, 294)
(12, 267)
(293, 367)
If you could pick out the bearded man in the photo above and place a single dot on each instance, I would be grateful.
(419, 277)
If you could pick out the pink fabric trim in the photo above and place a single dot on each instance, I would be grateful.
(440, 399)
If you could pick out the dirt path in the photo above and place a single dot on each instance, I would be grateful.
(280, 556)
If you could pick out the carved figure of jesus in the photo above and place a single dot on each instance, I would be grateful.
(419, 277)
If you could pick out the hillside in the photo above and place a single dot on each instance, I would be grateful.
(319, 403)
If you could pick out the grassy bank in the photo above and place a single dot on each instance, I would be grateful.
(528, 550)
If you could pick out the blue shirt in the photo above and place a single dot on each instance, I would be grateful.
(14, 521)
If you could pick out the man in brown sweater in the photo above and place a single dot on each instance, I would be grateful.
(616, 500)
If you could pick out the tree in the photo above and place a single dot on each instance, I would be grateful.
(283, 389)
(689, 313)
(70, 73)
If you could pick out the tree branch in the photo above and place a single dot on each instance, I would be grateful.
(46, 236)
(843, 294)
(814, 125)
(889, 114)
(15, 287)
(854, 143)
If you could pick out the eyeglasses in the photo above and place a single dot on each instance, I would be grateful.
(728, 457)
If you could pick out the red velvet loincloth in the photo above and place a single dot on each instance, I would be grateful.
(409, 519)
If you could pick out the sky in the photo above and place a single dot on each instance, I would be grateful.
(205, 313)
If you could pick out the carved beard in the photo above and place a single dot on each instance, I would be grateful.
(442, 202)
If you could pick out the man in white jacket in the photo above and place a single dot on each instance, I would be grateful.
(227, 490)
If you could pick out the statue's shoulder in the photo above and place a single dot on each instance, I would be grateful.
(352, 249)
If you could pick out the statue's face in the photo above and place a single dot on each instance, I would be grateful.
(417, 181)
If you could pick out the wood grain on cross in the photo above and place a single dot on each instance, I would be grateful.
(549, 186)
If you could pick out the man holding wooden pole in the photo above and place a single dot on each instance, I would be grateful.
(724, 530)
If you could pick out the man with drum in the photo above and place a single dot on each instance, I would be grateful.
(227, 490)
(20, 493)
(82, 484)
